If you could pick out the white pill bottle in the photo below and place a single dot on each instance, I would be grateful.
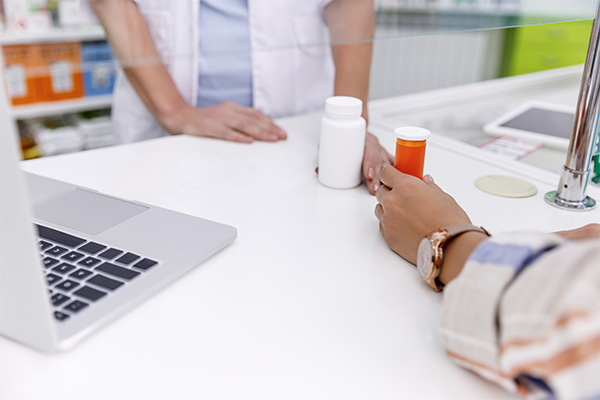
(342, 143)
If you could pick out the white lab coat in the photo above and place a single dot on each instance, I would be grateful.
(292, 67)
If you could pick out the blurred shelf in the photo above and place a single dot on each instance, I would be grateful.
(438, 16)
(75, 34)
(464, 8)
(60, 107)
(398, 18)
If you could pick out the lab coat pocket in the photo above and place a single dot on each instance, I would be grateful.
(311, 34)
(159, 23)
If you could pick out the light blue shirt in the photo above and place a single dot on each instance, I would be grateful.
(225, 68)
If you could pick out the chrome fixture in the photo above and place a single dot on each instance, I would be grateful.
(575, 175)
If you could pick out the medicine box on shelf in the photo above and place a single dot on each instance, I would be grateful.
(65, 133)
(98, 66)
(22, 85)
(61, 72)
(42, 72)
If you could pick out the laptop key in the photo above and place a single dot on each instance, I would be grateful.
(67, 285)
(89, 293)
(76, 306)
(117, 271)
(58, 299)
(89, 262)
(99, 284)
(60, 316)
(145, 264)
(110, 254)
(56, 251)
(92, 248)
(44, 245)
(49, 261)
(52, 279)
(80, 274)
(103, 281)
(127, 258)
(72, 256)
(59, 237)
(63, 268)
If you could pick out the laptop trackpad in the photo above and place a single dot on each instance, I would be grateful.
(87, 212)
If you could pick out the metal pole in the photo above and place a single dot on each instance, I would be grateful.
(574, 178)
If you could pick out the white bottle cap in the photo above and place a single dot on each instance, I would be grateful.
(412, 133)
(343, 106)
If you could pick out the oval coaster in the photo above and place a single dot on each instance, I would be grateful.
(506, 186)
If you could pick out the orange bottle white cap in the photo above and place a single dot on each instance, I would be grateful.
(412, 133)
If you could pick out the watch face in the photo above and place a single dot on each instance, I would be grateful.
(424, 258)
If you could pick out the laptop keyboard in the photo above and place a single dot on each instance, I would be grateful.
(80, 272)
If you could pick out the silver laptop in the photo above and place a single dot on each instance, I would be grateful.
(72, 259)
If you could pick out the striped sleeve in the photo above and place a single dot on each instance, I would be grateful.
(525, 313)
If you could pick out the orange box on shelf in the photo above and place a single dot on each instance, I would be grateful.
(22, 74)
(61, 78)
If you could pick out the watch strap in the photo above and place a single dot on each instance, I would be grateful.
(451, 232)
(457, 229)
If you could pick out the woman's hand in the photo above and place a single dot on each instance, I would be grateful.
(228, 121)
(410, 209)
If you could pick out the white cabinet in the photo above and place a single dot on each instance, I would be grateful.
(413, 63)
(426, 45)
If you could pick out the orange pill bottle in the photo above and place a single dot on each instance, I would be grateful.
(410, 150)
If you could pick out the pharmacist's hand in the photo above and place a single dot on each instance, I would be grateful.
(228, 121)
(375, 158)
(409, 209)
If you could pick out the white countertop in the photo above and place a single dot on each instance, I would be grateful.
(308, 302)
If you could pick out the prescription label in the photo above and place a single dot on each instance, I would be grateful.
(16, 80)
(20, 73)
(61, 75)
(511, 147)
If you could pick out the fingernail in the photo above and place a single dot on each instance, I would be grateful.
(274, 137)
(428, 178)
(375, 187)
(282, 134)
(371, 173)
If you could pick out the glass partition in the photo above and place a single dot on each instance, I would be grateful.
(59, 62)
(401, 17)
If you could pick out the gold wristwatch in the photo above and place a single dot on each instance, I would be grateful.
(430, 254)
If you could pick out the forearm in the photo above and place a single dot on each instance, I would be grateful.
(456, 253)
(132, 44)
(526, 305)
(351, 27)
